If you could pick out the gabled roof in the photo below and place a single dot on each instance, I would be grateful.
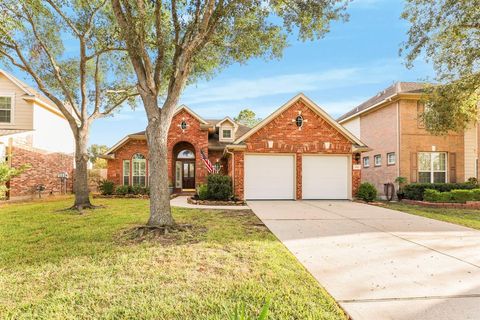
(219, 123)
(309, 103)
(31, 94)
(196, 116)
(412, 88)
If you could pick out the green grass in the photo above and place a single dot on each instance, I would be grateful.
(61, 265)
(465, 217)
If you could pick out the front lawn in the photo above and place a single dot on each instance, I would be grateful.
(465, 217)
(61, 265)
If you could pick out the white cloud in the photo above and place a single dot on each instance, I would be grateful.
(240, 89)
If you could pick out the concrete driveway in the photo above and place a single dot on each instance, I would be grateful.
(380, 263)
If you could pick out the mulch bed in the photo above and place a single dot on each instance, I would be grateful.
(216, 202)
(127, 196)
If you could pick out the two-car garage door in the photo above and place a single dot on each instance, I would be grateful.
(273, 177)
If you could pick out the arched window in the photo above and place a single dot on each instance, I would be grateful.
(139, 170)
(186, 154)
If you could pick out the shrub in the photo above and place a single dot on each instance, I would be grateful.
(367, 192)
(473, 180)
(415, 191)
(219, 187)
(136, 189)
(122, 190)
(460, 196)
(202, 192)
(106, 187)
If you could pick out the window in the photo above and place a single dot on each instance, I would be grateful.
(432, 167)
(226, 133)
(139, 168)
(420, 112)
(126, 172)
(391, 158)
(366, 162)
(377, 159)
(183, 125)
(5, 109)
(299, 121)
(186, 154)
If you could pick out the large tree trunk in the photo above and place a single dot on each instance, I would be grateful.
(80, 187)
(160, 213)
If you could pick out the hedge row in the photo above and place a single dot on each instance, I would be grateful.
(415, 191)
(459, 196)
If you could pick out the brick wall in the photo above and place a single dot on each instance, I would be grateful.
(287, 138)
(44, 170)
(378, 130)
(193, 134)
(416, 139)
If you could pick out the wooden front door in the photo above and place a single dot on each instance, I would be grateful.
(188, 179)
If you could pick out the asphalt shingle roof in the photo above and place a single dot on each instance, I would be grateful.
(396, 88)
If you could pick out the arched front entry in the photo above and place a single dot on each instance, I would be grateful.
(184, 166)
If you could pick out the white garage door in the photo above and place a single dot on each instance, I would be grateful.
(325, 177)
(269, 177)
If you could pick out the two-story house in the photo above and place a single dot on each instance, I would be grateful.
(297, 152)
(390, 124)
(33, 131)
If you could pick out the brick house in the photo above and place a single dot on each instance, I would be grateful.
(298, 152)
(33, 131)
(400, 146)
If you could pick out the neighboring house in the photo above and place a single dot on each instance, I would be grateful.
(298, 152)
(390, 124)
(33, 131)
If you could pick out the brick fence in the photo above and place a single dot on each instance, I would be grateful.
(44, 170)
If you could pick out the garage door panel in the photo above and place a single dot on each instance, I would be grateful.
(325, 177)
(269, 177)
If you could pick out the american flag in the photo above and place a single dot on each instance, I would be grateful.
(207, 162)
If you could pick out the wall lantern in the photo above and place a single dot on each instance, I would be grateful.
(327, 145)
(357, 158)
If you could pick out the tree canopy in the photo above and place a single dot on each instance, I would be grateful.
(447, 34)
(247, 117)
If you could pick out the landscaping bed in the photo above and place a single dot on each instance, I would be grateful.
(61, 265)
(196, 200)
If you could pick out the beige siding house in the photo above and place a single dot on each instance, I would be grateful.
(389, 123)
(33, 131)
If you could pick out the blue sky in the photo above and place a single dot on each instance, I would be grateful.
(353, 62)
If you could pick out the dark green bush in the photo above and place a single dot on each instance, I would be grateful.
(122, 190)
(459, 196)
(367, 192)
(202, 192)
(106, 187)
(136, 189)
(219, 187)
(415, 191)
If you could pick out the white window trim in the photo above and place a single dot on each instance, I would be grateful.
(375, 157)
(129, 172)
(368, 160)
(431, 171)
(231, 129)
(394, 160)
(133, 171)
(12, 108)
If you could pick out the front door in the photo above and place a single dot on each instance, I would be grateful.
(188, 179)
